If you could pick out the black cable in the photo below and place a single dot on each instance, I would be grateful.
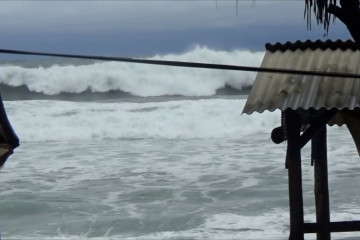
(188, 64)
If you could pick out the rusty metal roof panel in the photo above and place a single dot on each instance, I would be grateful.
(281, 91)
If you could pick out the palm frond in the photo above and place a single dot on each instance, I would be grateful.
(320, 9)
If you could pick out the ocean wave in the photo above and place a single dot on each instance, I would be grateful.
(138, 79)
(43, 120)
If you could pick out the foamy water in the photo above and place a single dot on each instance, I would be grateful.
(66, 121)
(224, 179)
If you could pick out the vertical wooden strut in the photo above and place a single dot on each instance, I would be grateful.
(293, 155)
(321, 189)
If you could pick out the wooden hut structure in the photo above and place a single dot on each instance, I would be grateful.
(308, 104)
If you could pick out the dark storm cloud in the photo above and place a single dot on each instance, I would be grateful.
(148, 27)
(92, 16)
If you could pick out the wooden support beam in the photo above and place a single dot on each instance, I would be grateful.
(346, 226)
(321, 189)
(277, 135)
(316, 126)
(293, 155)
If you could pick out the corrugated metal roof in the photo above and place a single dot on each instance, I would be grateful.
(281, 91)
(299, 45)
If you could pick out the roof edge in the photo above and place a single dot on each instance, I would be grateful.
(308, 44)
(250, 112)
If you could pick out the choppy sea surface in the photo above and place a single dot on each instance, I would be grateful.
(120, 151)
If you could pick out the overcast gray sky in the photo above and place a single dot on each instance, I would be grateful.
(145, 28)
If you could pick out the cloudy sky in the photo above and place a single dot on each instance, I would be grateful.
(149, 27)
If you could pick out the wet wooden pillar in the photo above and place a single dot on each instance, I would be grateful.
(321, 188)
(293, 162)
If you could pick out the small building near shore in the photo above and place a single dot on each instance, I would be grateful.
(273, 91)
(309, 103)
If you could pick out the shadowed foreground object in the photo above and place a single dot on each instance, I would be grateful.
(308, 105)
(8, 138)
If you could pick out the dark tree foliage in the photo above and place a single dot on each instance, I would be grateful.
(348, 12)
(320, 9)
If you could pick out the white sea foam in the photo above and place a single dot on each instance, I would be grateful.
(209, 118)
(227, 188)
(138, 79)
(272, 226)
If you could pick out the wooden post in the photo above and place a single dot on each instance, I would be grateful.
(321, 189)
(293, 155)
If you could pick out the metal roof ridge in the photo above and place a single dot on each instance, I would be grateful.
(273, 109)
(308, 44)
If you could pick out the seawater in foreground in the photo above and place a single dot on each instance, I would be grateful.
(205, 184)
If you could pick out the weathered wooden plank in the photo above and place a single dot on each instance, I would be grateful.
(346, 226)
(293, 155)
(321, 188)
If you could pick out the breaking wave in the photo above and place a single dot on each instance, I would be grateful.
(43, 120)
(137, 79)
